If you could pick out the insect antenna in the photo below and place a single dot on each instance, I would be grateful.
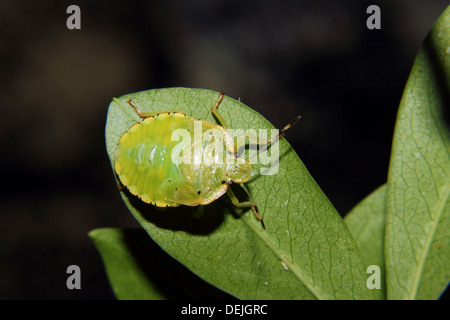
(255, 207)
(281, 134)
(264, 146)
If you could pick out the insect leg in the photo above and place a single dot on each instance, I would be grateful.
(216, 112)
(120, 186)
(199, 212)
(138, 111)
(245, 204)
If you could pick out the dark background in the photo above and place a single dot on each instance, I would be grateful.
(282, 58)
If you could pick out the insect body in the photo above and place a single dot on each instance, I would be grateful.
(144, 161)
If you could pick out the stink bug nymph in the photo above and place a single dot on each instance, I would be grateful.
(145, 165)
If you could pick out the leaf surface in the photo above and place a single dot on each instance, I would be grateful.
(306, 251)
(417, 244)
(138, 269)
(366, 223)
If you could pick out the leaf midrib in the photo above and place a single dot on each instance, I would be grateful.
(419, 270)
(263, 235)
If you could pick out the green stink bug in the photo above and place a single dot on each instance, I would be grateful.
(147, 160)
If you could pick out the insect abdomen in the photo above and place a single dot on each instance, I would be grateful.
(145, 166)
(143, 158)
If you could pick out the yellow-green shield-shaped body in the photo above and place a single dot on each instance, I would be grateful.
(171, 159)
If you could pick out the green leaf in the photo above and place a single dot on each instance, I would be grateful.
(138, 269)
(126, 277)
(366, 223)
(306, 252)
(417, 244)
